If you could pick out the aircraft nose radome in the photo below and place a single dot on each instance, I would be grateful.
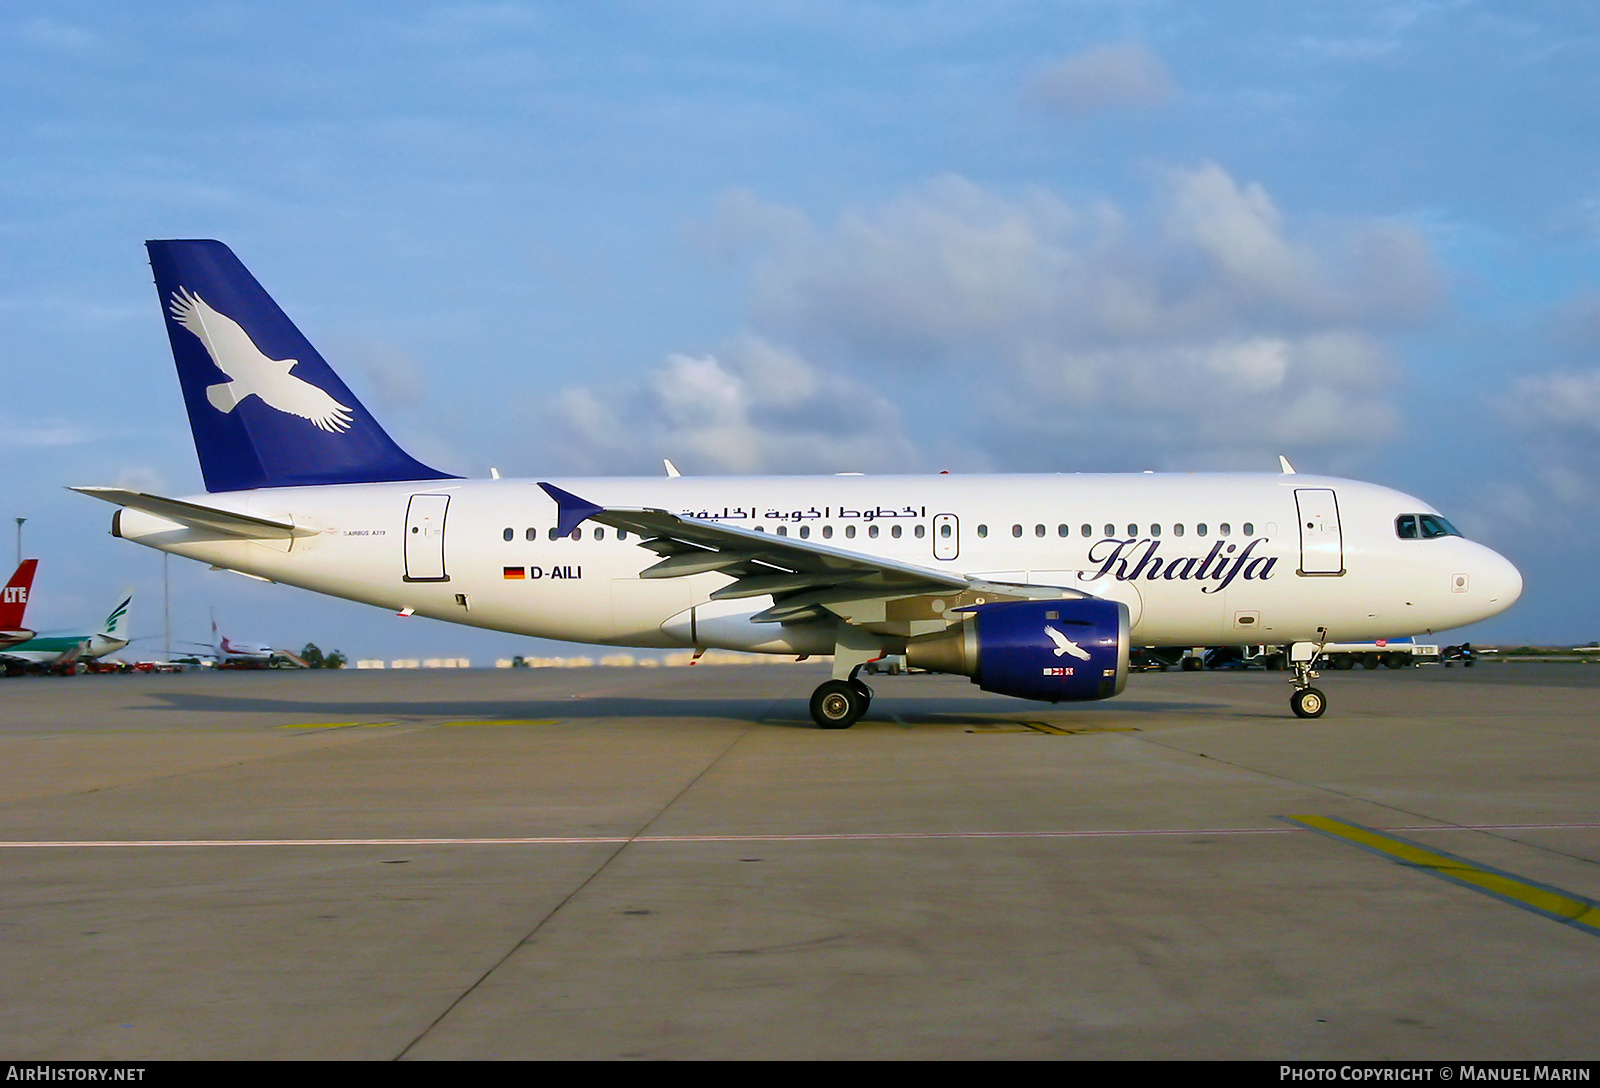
(1500, 580)
(1510, 578)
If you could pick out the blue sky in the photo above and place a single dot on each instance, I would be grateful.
(560, 238)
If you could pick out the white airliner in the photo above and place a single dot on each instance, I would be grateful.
(1033, 586)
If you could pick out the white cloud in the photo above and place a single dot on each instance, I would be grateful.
(751, 408)
(1567, 400)
(1110, 77)
(44, 433)
(142, 478)
(1559, 413)
(392, 377)
(1202, 328)
(1024, 331)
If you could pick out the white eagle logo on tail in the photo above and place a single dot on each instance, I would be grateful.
(237, 356)
(1065, 645)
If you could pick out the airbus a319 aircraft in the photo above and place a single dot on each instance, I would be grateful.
(1033, 586)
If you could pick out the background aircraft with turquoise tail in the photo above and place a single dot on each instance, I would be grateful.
(61, 650)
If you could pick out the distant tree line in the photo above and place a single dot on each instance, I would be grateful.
(314, 657)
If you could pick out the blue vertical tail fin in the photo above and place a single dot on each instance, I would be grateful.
(266, 410)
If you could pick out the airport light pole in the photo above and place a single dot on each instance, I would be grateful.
(19, 540)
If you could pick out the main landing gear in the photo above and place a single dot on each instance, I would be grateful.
(837, 704)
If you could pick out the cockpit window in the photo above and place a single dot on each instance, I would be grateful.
(1423, 527)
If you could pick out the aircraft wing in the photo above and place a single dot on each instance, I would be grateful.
(50, 658)
(806, 579)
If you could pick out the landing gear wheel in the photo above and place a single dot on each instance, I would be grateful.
(838, 703)
(860, 685)
(1308, 703)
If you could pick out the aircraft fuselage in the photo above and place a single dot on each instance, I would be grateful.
(1199, 559)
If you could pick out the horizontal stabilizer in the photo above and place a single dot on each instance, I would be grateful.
(196, 516)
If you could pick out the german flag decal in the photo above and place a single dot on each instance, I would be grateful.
(515, 573)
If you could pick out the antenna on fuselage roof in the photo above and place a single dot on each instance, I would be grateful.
(672, 469)
(1288, 469)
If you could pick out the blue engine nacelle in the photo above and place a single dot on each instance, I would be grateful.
(1054, 651)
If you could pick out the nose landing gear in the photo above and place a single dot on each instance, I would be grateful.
(1307, 701)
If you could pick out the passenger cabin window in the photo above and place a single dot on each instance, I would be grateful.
(509, 535)
(827, 532)
(599, 534)
(944, 530)
(1111, 530)
(1016, 530)
(894, 531)
(920, 531)
(1224, 529)
(1088, 530)
(1177, 529)
(983, 531)
(1200, 530)
(1038, 530)
(552, 532)
(783, 530)
(805, 532)
(1063, 530)
(849, 532)
(1249, 529)
(1155, 530)
(872, 531)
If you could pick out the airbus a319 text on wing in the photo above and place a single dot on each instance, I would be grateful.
(1033, 586)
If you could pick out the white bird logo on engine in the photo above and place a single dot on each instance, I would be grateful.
(237, 356)
(1065, 645)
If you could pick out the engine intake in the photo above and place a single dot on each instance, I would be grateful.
(1053, 651)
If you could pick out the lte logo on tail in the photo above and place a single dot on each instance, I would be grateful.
(15, 595)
